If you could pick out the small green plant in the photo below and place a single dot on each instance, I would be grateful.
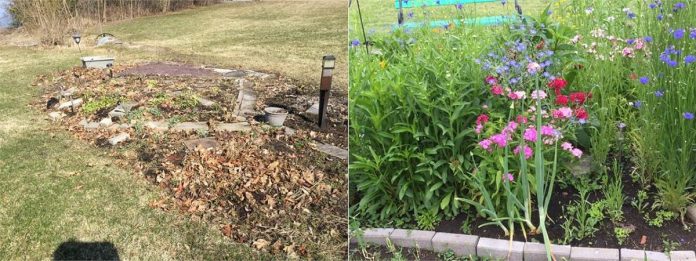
(396, 253)
(427, 220)
(670, 245)
(186, 100)
(151, 83)
(582, 218)
(660, 217)
(99, 104)
(155, 112)
(639, 202)
(614, 198)
(159, 99)
(622, 234)
(202, 133)
(449, 255)
(465, 227)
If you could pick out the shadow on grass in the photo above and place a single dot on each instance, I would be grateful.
(75, 250)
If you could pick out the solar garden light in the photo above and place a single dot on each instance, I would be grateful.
(327, 65)
(76, 37)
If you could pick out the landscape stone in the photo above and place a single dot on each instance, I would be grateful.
(56, 115)
(73, 103)
(127, 106)
(121, 137)
(118, 112)
(190, 126)
(691, 213)
(592, 254)
(235, 74)
(289, 131)
(682, 256)
(500, 249)
(314, 109)
(204, 143)
(412, 238)
(106, 122)
(333, 151)
(90, 125)
(222, 71)
(157, 125)
(108, 40)
(462, 245)
(205, 102)
(640, 255)
(68, 92)
(233, 127)
(537, 251)
(377, 236)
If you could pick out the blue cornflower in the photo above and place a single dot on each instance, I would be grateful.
(637, 104)
(688, 115)
(672, 64)
(630, 41)
(520, 47)
(460, 6)
(678, 6)
(410, 14)
(644, 80)
(355, 42)
(446, 26)
(546, 75)
(514, 81)
(631, 15)
(652, 6)
(659, 93)
(689, 59)
(648, 39)
(660, 17)
(549, 12)
(692, 34)
(679, 34)
(503, 2)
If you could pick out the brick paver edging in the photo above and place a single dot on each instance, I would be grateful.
(471, 245)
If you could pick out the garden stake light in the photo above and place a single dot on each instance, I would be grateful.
(76, 37)
(327, 66)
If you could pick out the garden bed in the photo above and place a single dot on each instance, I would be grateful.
(180, 128)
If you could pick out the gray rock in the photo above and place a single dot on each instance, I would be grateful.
(289, 131)
(592, 254)
(90, 125)
(500, 249)
(106, 122)
(68, 92)
(640, 255)
(377, 236)
(235, 74)
(205, 102)
(333, 151)
(127, 107)
(157, 125)
(682, 256)
(56, 115)
(118, 138)
(204, 143)
(537, 251)
(190, 126)
(233, 127)
(314, 109)
(462, 245)
(691, 213)
(222, 71)
(412, 238)
(118, 112)
(106, 40)
(67, 105)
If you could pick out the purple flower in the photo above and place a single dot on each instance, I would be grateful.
(679, 34)
(637, 104)
(678, 6)
(630, 41)
(410, 14)
(460, 6)
(549, 12)
(660, 17)
(688, 115)
(689, 59)
(692, 34)
(644, 80)
(631, 15)
(672, 63)
(355, 42)
(652, 6)
(659, 93)
(648, 39)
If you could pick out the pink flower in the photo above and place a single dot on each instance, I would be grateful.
(640, 43)
(533, 67)
(499, 139)
(567, 146)
(530, 134)
(478, 129)
(511, 126)
(538, 94)
(517, 95)
(486, 144)
(548, 130)
(521, 119)
(563, 112)
(527, 151)
(508, 177)
(490, 79)
(576, 152)
(497, 90)
(628, 52)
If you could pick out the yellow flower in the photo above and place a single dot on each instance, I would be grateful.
(383, 64)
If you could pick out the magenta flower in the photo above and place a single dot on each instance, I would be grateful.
(576, 152)
(497, 90)
(486, 144)
(527, 151)
(530, 134)
(548, 130)
(508, 177)
(499, 139)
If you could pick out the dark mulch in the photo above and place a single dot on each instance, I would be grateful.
(382, 253)
(169, 69)
(604, 237)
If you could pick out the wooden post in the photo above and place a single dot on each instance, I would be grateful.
(328, 64)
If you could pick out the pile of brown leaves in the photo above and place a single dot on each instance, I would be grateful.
(265, 188)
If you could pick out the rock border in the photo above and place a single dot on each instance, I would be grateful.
(472, 245)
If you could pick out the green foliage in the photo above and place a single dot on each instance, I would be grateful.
(105, 102)
(465, 227)
(582, 218)
(669, 245)
(159, 99)
(639, 202)
(674, 195)
(186, 100)
(614, 197)
(660, 217)
(622, 234)
(427, 220)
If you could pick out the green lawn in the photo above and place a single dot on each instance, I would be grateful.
(56, 189)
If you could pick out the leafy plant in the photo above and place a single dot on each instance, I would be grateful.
(100, 103)
(582, 218)
(639, 202)
(186, 100)
(614, 198)
(622, 234)
(465, 227)
(660, 217)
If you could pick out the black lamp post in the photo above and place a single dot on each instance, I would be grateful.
(327, 66)
(76, 37)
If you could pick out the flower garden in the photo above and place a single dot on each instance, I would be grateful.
(572, 124)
